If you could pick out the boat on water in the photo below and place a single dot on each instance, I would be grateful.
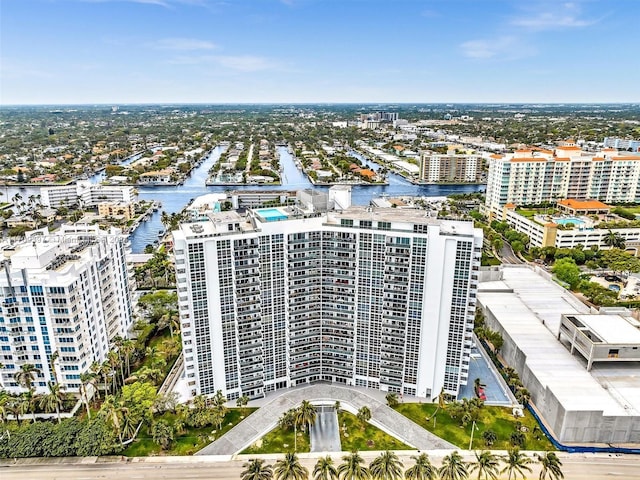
(160, 233)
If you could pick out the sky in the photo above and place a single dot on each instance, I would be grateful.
(308, 51)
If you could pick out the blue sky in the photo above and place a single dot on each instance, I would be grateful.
(193, 51)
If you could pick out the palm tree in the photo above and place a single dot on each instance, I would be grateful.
(86, 379)
(489, 437)
(324, 469)
(26, 375)
(241, 403)
(550, 466)
(442, 404)
(517, 464)
(289, 468)
(422, 470)
(486, 464)
(308, 414)
(364, 415)
(128, 347)
(386, 466)
(53, 400)
(54, 356)
(29, 402)
(614, 240)
(453, 467)
(112, 410)
(352, 469)
(523, 396)
(96, 369)
(162, 433)
(392, 399)
(255, 469)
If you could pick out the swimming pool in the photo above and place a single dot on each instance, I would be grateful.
(271, 214)
(563, 221)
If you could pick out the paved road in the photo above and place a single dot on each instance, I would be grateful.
(507, 255)
(576, 467)
(324, 434)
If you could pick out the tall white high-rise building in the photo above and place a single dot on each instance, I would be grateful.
(66, 292)
(532, 177)
(378, 298)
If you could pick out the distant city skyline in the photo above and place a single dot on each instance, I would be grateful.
(317, 51)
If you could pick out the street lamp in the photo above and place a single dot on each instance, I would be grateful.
(473, 427)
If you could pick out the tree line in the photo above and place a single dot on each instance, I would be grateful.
(387, 466)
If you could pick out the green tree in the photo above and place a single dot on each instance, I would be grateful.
(619, 261)
(551, 466)
(255, 469)
(308, 414)
(517, 463)
(392, 399)
(26, 375)
(489, 437)
(517, 439)
(364, 415)
(112, 410)
(86, 379)
(453, 467)
(423, 469)
(351, 468)
(486, 464)
(325, 469)
(386, 466)
(614, 240)
(52, 401)
(241, 402)
(162, 433)
(289, 468)
(139, 398)
(567, 271)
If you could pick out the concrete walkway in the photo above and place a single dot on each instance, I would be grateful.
(351, 400)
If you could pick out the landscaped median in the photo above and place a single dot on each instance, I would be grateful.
(509, 431)
(187, 440)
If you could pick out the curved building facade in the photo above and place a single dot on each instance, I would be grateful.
(378, 298)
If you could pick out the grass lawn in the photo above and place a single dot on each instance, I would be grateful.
(192, 440)
(354, 437)
(498, 419)
(278, 440)
(527, 212)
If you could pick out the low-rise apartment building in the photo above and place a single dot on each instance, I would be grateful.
(450, 168)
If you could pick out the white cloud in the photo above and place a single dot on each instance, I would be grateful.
(245, 63)
(501, 48)
(182, 44)
(237, 63)
(553, 17)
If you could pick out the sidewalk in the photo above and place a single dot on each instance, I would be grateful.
(351, 400)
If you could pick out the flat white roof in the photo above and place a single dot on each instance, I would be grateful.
(611, 328)
(529, 306)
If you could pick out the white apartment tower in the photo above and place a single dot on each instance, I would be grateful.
(532, 177)
(66, 292)
(377, 298)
